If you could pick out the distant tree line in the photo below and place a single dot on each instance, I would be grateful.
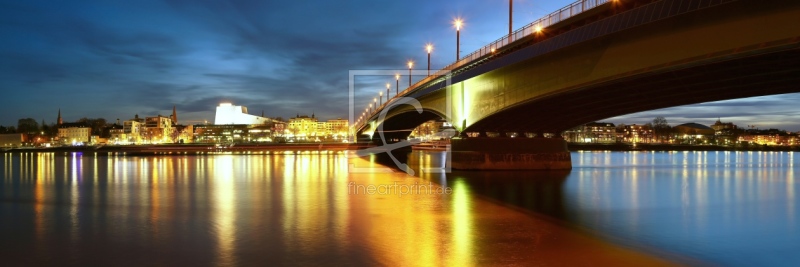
(99, 126)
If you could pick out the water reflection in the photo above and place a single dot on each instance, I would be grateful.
(296, 208)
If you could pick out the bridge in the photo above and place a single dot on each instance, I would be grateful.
(596, 59)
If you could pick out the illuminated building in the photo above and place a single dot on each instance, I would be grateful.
(304, 128)
(227, 113)
(132, 131)
(233, 133)
(74, 133)
(771, 137)
(158, 129)
(117, 134)
(595, 132)
(725, 132)
(693, 133)
(635, 134)
(337, 128)
(721, 128)
(183, 133)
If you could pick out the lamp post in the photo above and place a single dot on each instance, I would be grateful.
(458, 22)
(380, 98)
(429, 48)
(397, 84)
(510, 8)
(387, 92)
(410, 65)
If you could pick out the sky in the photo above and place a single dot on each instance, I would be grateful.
(115, 59)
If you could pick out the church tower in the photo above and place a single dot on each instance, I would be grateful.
(60, 121)
(174, 116)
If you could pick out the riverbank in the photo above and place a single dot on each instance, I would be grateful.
(669, 147)
(191, 149)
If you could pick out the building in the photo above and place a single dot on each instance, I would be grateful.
(303, 127)
(725, 133)
(721, 128)
(432, 130)
(12, 140)
(116, 134)
(693, 133)
(232, 133)
(132, 130)
(635, 134)
(74, 133)
(158, 130)
(337, 128)
(595, 132)
(310, 128)
(227, 113)
(771, 137)
(183, 133)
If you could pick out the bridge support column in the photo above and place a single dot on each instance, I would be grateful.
(510, 154)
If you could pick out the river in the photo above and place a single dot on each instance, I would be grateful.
(317, 208)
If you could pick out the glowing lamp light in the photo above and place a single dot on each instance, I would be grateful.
(458, 23)
(429, 48)
(410, 64)
(538, 28)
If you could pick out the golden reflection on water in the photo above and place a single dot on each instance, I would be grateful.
(292, 208)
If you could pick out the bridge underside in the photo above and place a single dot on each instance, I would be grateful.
(650, 57)
(772, 73)
(401, 125)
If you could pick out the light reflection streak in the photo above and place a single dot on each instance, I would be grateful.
(74, 201)
(462, 225)
(790, 185)
(224, 209)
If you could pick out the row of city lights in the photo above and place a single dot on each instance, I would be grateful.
(378, 101)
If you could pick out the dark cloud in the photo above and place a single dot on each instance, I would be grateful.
(115, 59)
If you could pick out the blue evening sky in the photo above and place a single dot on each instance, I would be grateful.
(114, 59)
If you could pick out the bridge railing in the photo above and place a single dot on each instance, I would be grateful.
(562, 14)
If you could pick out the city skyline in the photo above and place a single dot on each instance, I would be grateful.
(119, 59)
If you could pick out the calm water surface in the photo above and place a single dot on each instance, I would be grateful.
(716, 208)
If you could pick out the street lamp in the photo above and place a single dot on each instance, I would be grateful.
(429, 48)
(397, 85)
(410, 65)
(510, 8)
(458, 22)
(380, 98)
(387, 92)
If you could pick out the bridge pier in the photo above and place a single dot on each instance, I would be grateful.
(510, 154)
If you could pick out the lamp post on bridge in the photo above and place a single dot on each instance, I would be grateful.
(458, 22)
(510, 8)
(380, 98)
(387, 92)
(410, 65)
(429, 48)
(397, 85)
